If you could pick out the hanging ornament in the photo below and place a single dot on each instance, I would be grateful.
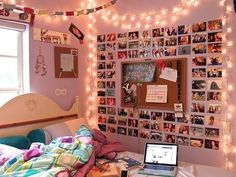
(40, 65)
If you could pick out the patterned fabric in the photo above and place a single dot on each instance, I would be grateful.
(61, 157)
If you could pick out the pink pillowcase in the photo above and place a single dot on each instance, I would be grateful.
(99, 136)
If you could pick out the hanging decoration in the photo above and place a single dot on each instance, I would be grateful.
(76, 32)
(40, 67)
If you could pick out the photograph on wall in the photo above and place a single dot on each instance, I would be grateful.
(101, 47)
(122, 36)
(156, 125)
(111, 129)
(170, 31)
(145, 34)
(102, 127)
(111, 37)
(111, 46)
(110, 74)
(212, 132)
(121, 130)
(145, 43)
(101, 110)
(198, 107)
(156, 115)
(170, 51)
(133, 123)
(169, 138)
(199, 61)
(199, 72)
(181, 140)
(212, 120)
(184, 50)
(101, 101)
(199, 38)
(144, 53)
(111, 64)
(133, 45)
(133, 132)
(182, 129)
(183, 29)
(101, 93)
(198, 96)
(168, 127)
(214, 108)
(101, 38)
(184, 119)
(134, 35)
(196, 142)
(214, 72)
(214, 96)
(169, 116)
(111, 84)
(111, 110)
(184, 40)
(122, 44)
(101, 75)
(133, 53)
(101, 84)
(199, 48)
(196, 131)
(215, 48)
(158, 42)
(170, 41)
(101, 55)
(145, 124)
(212, 144)
(111, 55)
(215, 37)
(122, 54)
(102, 119)
(122, 121)
(215, 25)
(156, 136)
(101, 65)
(110, 92)
(132, 112)
(197, 119)
(122, 112)
(111, 101)
(145, 134)
(111, 120)
(158, 32)
(215, 84)
(199, 27)
(214, 60)
(199, 84)
(158, 52)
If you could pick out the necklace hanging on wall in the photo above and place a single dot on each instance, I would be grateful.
(40, 67)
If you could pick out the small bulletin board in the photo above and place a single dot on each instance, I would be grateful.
(66, 62)
(145, 77)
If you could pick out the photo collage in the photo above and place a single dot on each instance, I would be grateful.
(202, 44)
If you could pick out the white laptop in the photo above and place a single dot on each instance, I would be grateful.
(160, 159)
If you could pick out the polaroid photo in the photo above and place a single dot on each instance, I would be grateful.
(169, 116)
(181, 140)
(133, 112)
(145, 124)
(122, 112)
(133, 132)
(145, 34)
(179, 115)
(183, 29)
(111, 101)
(158, 32)
(144, 114)
(111, 37)
(111, 129)
(199, 27)
(184, 50)
(122, 45)
(111, 110)
(170, 41)
(184, 40)
(215, 25)
(101, 56)
(101, 65)
(182, 129)
(183, 119)
(145, 134)
(197, 119)
(198, 84)
(156, 136)
(214, 60)
(101, 110)
(101, 101)
(122, 54)
(133, 123)
(212, 120)
(101, 93)
(101, 84)
(212, 144)
(111, 55)
(111, 84)
(101, 38)
(133, 54)
(214, 72)
(158, 52)
(215, 84)
(110, 92)
(158, 42)
(178, 107)
(111, 120)
(145, 43)
(215, 37)
(156, 116)
(169, 127)
(111, 46)
(102, 127)
(102, 119)
(122, 36)
(156, 125)
(121, 130)
(212, 132)
(110, 74)
(199, 61)
(133, 35)
(214, 96)
(199, 49)
(171, 31)
(133, 44)
(198, 107)
(169, 138)
(122, 121)
(101, 75)
(111, 65)
(196, 131)
(196, 142)
(198, 96)
(170, 51)
(199, 72)
(144, 53)
(215, 48)
(199, 38)
(101, 47)
(214, 108)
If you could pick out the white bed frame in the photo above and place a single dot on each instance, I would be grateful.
(30, 111)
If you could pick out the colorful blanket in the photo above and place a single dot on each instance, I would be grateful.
(61, 158)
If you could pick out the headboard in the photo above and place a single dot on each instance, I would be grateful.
(30, 111)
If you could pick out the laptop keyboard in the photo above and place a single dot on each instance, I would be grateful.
(159, 167)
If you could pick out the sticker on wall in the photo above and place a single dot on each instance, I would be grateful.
(40, 67)
(53, 37)
(62, 92)
(76, 32)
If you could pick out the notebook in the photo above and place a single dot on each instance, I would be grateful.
(160, 159)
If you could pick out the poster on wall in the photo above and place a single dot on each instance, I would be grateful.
(53, 37)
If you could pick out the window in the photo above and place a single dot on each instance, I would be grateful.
(11, 63)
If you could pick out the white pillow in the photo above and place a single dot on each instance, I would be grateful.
(8, 151)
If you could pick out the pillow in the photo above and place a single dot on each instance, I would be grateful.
(37, 135)
(20, 142)
(6, 152)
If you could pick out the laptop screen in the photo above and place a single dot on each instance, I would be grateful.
(163, 154)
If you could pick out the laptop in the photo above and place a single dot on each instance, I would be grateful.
(160, 159)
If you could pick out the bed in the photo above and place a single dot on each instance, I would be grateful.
(27, 114)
